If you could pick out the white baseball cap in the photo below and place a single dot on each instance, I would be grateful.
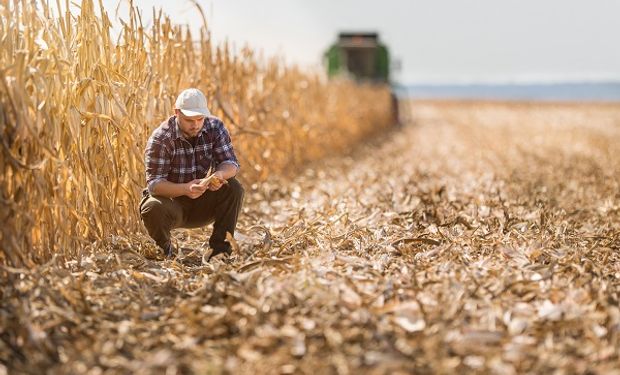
(192, 102)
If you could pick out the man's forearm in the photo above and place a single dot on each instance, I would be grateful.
(169, 189)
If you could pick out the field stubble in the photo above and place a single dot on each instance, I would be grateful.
(479, 238)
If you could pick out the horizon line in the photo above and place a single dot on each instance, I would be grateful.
(513, 82)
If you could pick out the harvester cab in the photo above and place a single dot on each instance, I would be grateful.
(360, 56)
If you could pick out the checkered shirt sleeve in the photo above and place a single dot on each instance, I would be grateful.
(157, 158)
(223, 151)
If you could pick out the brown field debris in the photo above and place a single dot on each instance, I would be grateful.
(481, 238)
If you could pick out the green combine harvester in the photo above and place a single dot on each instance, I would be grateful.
(364, 58)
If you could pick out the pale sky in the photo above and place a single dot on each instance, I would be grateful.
(436, 41)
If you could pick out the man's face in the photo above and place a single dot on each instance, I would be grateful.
(190, 125)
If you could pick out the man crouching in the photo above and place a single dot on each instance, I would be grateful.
(179, 194)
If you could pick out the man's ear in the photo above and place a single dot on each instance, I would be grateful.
(176, 111)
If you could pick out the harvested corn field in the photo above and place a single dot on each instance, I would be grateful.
(480, 237)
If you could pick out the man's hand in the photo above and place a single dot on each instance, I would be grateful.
(217, 181)
(194, 188)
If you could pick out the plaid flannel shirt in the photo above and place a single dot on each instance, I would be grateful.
(169, 156)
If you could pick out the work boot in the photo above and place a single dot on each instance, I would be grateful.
(220, 248)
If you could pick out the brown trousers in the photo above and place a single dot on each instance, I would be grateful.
(220, 207)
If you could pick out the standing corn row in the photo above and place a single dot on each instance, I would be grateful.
(76, 108)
